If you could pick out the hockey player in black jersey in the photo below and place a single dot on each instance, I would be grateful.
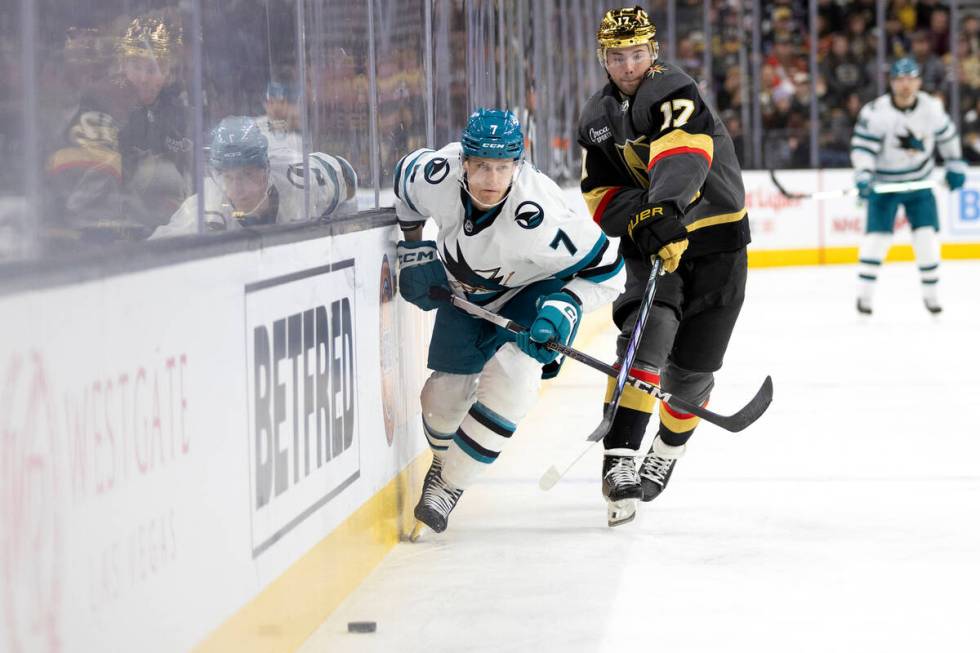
(660, 172)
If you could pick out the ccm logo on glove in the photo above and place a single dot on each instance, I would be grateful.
(420, 270)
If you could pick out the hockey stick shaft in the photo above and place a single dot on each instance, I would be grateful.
(734, 423)
(609, 412)
(880, 189)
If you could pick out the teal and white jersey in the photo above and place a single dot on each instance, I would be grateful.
(899, 144)
(531, 236)
(332, 193)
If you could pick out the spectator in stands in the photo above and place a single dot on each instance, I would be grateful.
(905, 13)
(971, 33)
(939, 31)
(933, 70)
(843, 72)
(897, 42)
(971, 132)
(245, 189)
(833, 14)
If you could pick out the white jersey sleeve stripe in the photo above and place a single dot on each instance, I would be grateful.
(862, 148)
(590, 259)
(409, 175)
(604, 272)
(926, 164)
(867, 137)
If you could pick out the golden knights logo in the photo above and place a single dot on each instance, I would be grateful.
(656, 68)
(635, 154)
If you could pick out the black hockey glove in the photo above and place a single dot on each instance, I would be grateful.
(657, 231)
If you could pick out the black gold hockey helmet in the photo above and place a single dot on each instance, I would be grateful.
(626, 27)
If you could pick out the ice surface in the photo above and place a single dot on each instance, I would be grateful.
(846, 519)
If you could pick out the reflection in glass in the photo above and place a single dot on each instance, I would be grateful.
(118, 161)
(337, 68)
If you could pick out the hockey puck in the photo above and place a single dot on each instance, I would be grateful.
(362, 626)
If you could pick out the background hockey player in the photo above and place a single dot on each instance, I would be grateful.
(894, 140)
(244, 190)
(281, 123)
(506, 240)
(660, 171)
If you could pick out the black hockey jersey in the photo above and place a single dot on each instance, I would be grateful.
(663, 145)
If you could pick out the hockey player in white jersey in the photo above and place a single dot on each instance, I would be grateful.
(894, 140)
(507, 241)
(245, 189)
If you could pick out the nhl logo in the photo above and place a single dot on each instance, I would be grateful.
(468, 227)
(529, 215)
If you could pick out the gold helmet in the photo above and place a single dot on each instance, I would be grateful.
(626, 27)
(148, 36)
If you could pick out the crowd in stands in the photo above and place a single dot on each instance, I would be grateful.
(847, 74)
(115, 117)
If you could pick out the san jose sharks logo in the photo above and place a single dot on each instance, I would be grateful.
(529, 215)
(910, 141)
(436, 170)
(473, 280)
(635, 154)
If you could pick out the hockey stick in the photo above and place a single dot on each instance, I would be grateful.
(734, 423)
(889, 187)
(609, 412)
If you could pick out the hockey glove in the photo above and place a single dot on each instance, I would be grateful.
(955, 179)
(863, 180)
(419, 269)
(557, 319)
(657, 231)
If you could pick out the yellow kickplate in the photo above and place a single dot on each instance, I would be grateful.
(287, 612)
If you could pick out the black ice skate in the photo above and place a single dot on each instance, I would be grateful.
(933, 306)
(437, 501)
(620, 485)
(656, 468)
(863, 306)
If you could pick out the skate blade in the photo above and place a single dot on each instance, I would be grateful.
(418, 532)
(621, 512)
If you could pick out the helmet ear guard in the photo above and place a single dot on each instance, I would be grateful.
(624, 28)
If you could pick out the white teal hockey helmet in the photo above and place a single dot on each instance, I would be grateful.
(493, 134)
(905, 67)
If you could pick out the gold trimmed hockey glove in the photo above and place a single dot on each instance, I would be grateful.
(657, 231)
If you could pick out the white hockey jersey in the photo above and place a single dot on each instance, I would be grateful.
(330, 195)
(285, 146)
(531, 236)
(899, 144)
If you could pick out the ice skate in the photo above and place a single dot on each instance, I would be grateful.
(656, 468)
(863, 306)
(933, 306)
(620, 485)
(437, 501)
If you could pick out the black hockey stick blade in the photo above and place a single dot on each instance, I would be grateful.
(736, 422)
(782, 189)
